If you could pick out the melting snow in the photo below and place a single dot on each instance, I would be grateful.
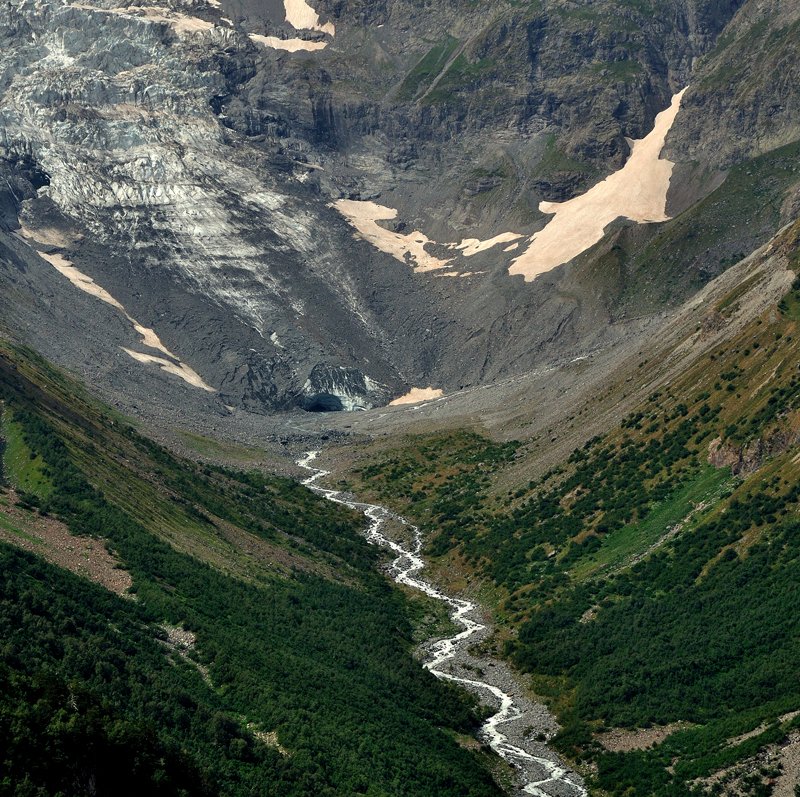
(148, 336)
(638, 192)
(417, 394)
(409, 248)
(301, 16)
(364, 216)
(472, 246)
(79, 280)
(176, 368)
(290, 45)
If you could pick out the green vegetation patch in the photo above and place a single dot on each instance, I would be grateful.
(91, 686)
(427, 68)
(664, 520)
(790, 303)
(641, 585)
(21, 467)
(245, 524)
(429, 469)
(680, 252)
(7, 525)
(208, 447)
(461, 73)
(554, 161)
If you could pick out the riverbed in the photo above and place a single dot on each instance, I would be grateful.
(519, 728)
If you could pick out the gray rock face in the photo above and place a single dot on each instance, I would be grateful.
(178, 219)
(189, 170)
(744, 100)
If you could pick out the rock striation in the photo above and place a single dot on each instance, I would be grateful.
(191, 168)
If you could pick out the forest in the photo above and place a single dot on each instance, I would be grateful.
(298, 683)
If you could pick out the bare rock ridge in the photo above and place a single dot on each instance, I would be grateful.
(188, 160)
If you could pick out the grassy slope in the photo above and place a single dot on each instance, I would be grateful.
(639, 531)
(427, 69)
(243, 562)
(207, 512)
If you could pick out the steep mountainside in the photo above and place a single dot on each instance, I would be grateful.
(742, 102)
(572, 223)
(193, 177)
(647, 580)
(238, 638)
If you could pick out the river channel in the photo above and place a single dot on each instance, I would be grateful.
(519, 728)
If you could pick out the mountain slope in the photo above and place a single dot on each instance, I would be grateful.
(194, 169)
(648, 578)
(257, 648)
(219, 209)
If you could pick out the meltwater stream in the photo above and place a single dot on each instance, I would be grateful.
(539, 769)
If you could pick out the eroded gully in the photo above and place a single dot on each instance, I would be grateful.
(517, 730)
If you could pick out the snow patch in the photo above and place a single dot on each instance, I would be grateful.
(364, 216)
(289, 45)
(409, 248)
(472, 246)
(300, 15)
(637, 192)
(148, 336)
(417, 394)
(178, 369)
(79, 280)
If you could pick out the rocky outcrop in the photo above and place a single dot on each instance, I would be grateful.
(748, 458)
(119, 135)
(743, 101)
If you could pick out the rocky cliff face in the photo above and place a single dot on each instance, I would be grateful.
(186, 158)
(743, 101)
(168, 209)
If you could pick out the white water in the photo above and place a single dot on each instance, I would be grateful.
(542, 776)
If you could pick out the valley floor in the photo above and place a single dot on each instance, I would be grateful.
(518, 728)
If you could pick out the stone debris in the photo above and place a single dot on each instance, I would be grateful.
(52, 540)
